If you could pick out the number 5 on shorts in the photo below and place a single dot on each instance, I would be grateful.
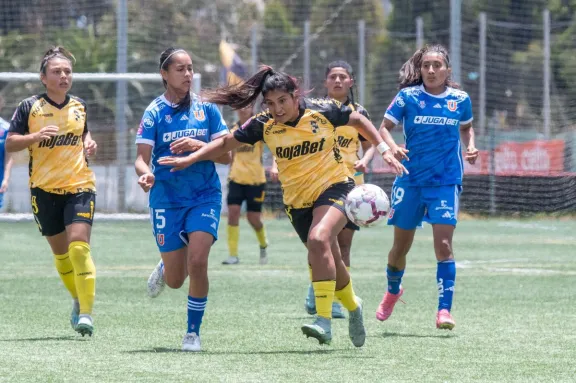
(159, 221)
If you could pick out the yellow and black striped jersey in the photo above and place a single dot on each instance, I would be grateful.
(306, 150)
(247, 167)
(57, 164)
(349, 140)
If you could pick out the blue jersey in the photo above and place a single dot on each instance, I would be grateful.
(4, 126)
(161, 125)
(432, 134)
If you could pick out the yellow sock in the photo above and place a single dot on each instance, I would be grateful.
(324, 295)
(85, 274)
(261, 235)
(347, 297)
(66, 271)
(233, 238)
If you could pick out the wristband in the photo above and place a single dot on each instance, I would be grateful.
(382, 147)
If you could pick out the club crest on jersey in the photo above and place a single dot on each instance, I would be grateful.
(400, 101)
(160, 239)
(314, 126)
(452, 105)
(168, 118)
(422, 104)
(199, 114)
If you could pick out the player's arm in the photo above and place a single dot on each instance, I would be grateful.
(224, 159)
(210, 152)
(142, 166)
(8, 161)
(274, 170)
(368, 151)
(467, 137)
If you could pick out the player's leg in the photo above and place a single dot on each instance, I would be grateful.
(167, 228)
(202, 228)
(78, 217)
(234, 201)
(442, 213)
(254, 200)
(345, 244)
(48, 210)
(406, 215)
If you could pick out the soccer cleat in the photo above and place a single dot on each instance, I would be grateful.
(156, 281)
(75, 314)
(444, 320)
(85, 325)
(231, 261)
(310, 303)
(320, 329)
(191, 342)
(263, 256)
(337, 311)
(387, 305)
(356, 328)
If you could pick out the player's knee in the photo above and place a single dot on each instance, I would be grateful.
(318, 240)
(197, 265)
(254, 220)
(174, 282)
(443, 249)
(400, 249)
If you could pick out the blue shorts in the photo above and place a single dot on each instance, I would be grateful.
(170, 226)
(433, 204)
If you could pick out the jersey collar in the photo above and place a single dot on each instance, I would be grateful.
(59, 106)
(441, 95)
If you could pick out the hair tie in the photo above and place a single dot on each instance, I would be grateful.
(170, 55)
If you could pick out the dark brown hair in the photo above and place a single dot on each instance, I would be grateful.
(56, 52)
(411, 71)
(243, 94)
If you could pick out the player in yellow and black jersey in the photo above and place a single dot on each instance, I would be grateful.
(301, 133)
(53, 127)
(339, 83)
(246, 182)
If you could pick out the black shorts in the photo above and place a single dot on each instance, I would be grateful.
(335, 196)
(53, 212)
(252, 194)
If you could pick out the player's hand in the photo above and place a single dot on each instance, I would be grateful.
(4, 186)
(400, 153)
(185, 144)
(46, 132)
(360, 166)
(391, 160)
(471, 155)
(90, 147)
(177, 163)
(146, 181)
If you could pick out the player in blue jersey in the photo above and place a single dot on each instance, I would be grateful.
(184, 206)
(437, 118)
(5, 160)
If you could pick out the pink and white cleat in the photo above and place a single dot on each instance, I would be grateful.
(387, 305)
(444, 320)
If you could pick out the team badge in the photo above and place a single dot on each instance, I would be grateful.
(400, 102)
(452, 105)
(422, 104)
(168, 118)
(314, 126)
(160, 239)
(199, 114)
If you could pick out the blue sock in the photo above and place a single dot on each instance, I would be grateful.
(394, 280)
(445, 276)
(196, 307)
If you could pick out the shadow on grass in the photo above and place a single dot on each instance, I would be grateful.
(287, 352)
(48, 338)
(404, 335)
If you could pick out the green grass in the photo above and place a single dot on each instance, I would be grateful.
(514, 307)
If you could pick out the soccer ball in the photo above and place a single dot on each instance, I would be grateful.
(366, 205)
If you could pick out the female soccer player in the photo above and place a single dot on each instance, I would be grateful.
(247, 181)
(301, 134)
(437, 117)
(53, 127)
(185, 206)
(339, 83)
(5, 159)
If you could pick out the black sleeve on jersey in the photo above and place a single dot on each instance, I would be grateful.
(337, 113)
(86, 119)
(252, 131)
(360, 109)
(19, 123)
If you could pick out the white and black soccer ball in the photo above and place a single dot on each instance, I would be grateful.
(366, 205)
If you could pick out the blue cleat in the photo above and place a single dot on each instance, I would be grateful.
(310, 304)
(75, 314)
(337, 312)
(321, 330)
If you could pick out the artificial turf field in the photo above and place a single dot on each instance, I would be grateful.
(515, 311)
